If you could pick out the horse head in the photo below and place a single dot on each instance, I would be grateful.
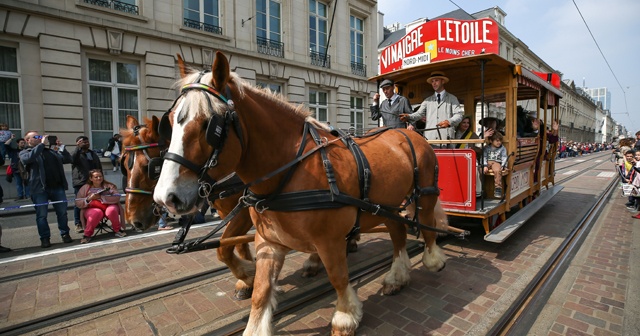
(140, 164)
(204, 133)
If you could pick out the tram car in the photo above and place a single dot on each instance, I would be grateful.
(487, 87)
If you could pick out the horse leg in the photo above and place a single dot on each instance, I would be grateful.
(352, 245)
(242, 268)
(434, 216)
(311, 266)
(398, 277)
(270, 258)
(348, 313)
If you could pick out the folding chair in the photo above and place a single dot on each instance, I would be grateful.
(103, 226)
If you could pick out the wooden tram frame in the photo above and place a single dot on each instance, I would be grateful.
(489, 78)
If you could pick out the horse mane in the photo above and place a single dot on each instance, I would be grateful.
(201, 103)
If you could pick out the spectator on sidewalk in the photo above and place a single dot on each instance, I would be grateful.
(47, 184)
(84, 159)
(5, 134)
(19, 172)
(114, 147)
(98, 199)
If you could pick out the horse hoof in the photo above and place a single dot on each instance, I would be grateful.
(243, 294)
(391, 289)
(310, 272)
(342, 333)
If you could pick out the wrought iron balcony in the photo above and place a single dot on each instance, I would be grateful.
(359, 69)
(270, 47)
(320, 59)
(117, 5)
(202, 26)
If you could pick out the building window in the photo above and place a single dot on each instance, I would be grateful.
(127, 6)
(357, 46)
(114, 91)
(318, 104)
(271, 86)
(10, 90)
(356, 111)
(318, 34)
(268, 32)
(202, 15)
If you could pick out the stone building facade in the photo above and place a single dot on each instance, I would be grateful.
(74, 67)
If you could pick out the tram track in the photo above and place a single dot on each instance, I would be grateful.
(307, 295)
(519, 318)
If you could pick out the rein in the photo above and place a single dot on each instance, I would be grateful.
(292, 201)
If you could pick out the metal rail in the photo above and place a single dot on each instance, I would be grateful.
(519, 318)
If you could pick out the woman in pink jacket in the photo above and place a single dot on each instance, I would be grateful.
(98, 199)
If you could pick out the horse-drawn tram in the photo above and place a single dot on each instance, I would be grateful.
(489, 88)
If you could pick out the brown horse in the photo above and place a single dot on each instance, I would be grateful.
(258, 135)
(141, 146)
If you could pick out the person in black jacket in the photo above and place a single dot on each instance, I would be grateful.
(83, 160)
(47, 184)
(114, 146)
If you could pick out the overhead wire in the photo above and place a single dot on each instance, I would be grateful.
(624, 94)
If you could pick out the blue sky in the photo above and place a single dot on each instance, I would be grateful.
(554, 30)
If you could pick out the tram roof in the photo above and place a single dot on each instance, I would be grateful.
(529, 84)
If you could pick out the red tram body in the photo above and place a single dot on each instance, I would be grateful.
(484, 82)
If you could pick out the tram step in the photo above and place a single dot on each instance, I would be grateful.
(506, 229)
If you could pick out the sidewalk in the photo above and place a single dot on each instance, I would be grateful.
(11, 193)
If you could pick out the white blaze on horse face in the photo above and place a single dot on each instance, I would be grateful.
(169, 180)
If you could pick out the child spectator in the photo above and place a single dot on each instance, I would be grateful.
(495, 160)
(627, 173)
(5, 134)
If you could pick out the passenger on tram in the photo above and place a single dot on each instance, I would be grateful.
(525, 125)
(490, 125)
(495, 160)
(391, 108)
(442, 110)
(552, 137)
(464, 131)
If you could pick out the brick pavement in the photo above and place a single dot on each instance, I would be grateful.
(598, 293)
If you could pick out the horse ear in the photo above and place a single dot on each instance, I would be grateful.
(132, 122)
(154, 125)
(220, 70)
(182, 66)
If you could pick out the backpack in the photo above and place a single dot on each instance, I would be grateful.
(22, 170)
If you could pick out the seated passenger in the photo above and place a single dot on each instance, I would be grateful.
(495, 160)
(525, 126)
(490, 124)
(464, 131)
(98, 199)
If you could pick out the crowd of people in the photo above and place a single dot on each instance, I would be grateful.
(95, 198)
(627, 164)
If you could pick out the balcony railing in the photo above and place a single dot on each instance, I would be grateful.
(117, 5)
(202, 26)
(320, 59)
(270, 47)
(359, 69)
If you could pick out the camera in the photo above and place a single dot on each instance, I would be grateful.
(52, 139)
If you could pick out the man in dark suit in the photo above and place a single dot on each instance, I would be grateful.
(390, 108)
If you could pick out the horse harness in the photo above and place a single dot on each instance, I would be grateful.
(216, 133)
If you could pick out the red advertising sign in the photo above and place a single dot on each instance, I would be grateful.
(440, 40)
